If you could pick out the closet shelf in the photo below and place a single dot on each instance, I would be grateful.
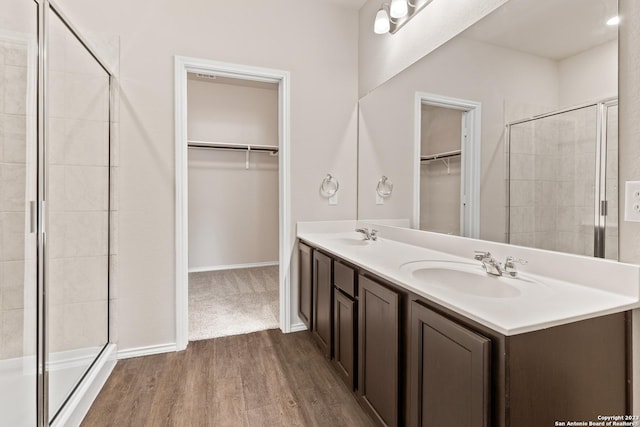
(231, 146)
(439, 156)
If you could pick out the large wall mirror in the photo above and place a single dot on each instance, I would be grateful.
(508, 132)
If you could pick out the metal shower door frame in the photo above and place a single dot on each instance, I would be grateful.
(45, 8)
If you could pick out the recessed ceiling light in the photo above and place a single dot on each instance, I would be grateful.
(613, 21)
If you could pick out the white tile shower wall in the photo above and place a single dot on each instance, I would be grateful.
(13, 181)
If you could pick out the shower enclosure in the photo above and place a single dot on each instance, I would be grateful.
(55, 216)
(563, 180)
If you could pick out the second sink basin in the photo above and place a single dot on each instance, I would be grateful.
(465, 278)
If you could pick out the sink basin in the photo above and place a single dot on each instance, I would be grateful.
(461, 277)
(353, 242)
(352, 239)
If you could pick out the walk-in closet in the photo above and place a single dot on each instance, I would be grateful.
(233, 205)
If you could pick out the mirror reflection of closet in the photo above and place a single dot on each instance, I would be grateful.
(440, 169)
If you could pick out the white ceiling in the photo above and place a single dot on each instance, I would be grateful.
(554, 29)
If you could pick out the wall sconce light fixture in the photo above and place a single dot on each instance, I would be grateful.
(391, 17)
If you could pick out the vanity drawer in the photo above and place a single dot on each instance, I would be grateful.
(344, 278)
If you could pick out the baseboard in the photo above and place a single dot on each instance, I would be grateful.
(74, 411)
(147, 351)
(70, 359)
(232, 266)
(298, 327)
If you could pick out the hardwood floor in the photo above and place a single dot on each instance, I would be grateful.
(264, 378)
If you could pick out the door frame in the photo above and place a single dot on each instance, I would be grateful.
(183, 65)
(470, 162)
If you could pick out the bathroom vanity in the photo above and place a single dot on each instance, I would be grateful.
(422, 346)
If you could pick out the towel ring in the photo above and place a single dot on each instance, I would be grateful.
(384, 187)
(329, 186)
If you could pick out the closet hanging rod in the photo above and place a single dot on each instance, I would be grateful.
(445, 155)
(231, 146)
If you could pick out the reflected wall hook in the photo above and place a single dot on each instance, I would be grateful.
(329, 186)
(384, 187)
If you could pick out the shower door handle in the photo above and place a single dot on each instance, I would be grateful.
(604, 206)
(33, 216)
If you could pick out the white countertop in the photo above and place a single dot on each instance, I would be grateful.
(537, 301)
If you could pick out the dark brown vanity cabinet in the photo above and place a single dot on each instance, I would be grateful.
(414, 362)
(322, 325)
(466, 374)
(344, 322)
(379, 345)
(305, 289)
(450, 366)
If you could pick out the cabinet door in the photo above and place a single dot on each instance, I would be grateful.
(305, 291)
(378, 368)
(322, 301)
(449, 372)
(344, 317)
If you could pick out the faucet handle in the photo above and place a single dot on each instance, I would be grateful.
(510, 265)
(374, 234)
(512, 260)
(480, 255)
(365, 232)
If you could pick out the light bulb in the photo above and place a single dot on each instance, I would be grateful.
(614, 21)
(381, 24)
(398, 9)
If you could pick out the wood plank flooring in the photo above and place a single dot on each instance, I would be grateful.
(264, 378)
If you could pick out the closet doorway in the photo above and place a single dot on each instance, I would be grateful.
(232, 212)
(232, 130)
(447, 153)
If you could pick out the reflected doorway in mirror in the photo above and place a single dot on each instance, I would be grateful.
(447, 165)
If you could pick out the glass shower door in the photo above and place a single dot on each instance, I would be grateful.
(77, 196)
(18, 187)
(552, 176)
(563, 181)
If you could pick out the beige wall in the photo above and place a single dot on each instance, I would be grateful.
(233, 211)
(315, 41)
(590, 75)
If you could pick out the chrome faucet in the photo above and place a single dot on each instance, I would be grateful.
(489, 263)
(493, 267)
(368, 235)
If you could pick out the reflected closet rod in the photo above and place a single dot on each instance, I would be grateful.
(448, 154)
(444, 157)
(232, 146)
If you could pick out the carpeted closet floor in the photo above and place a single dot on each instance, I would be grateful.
(232, 302)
